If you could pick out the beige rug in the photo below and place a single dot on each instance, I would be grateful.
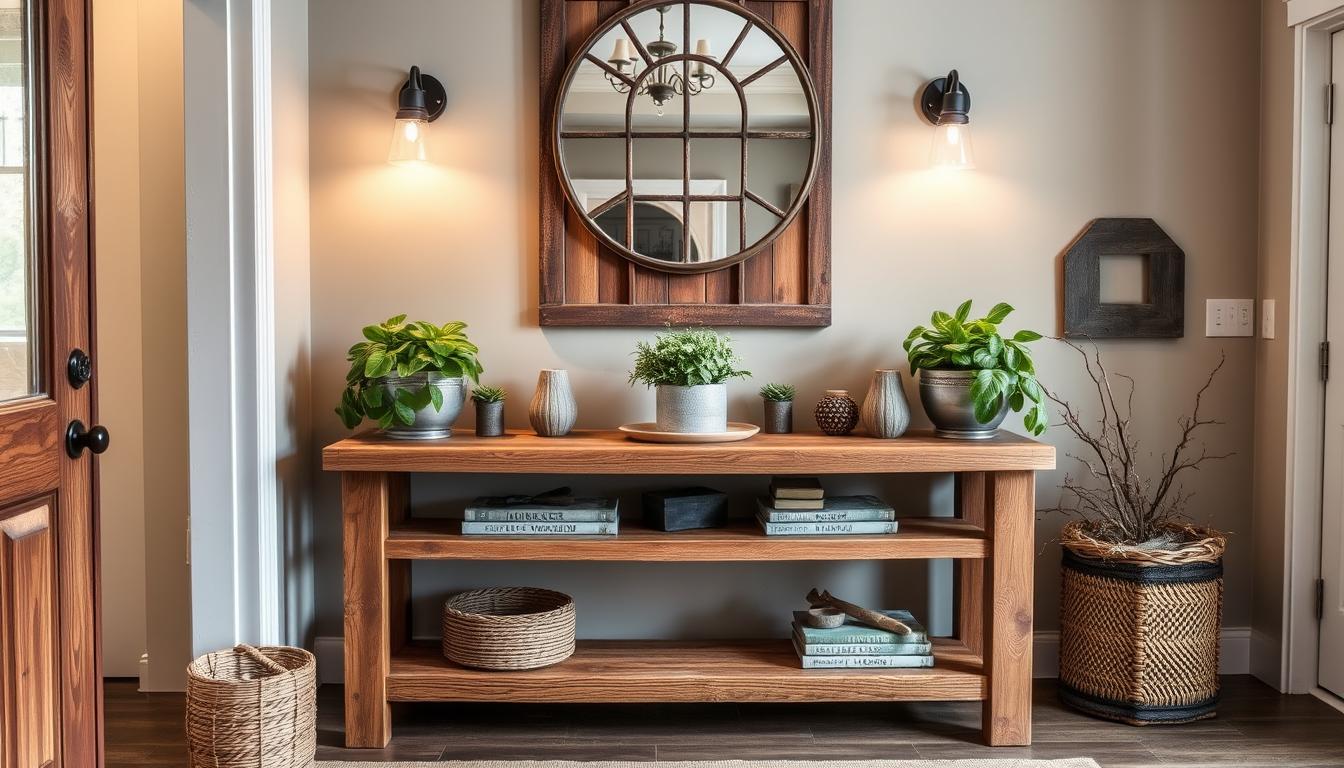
(1074, 762)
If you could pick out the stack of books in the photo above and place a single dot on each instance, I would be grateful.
(799, 507)
(546, 515)
(855, 646)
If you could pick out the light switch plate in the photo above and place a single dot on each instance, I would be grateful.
(1229, 317)
(1266, 318)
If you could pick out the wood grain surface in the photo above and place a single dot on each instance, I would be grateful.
(366, 498)
(1008, 620)
(608, 452)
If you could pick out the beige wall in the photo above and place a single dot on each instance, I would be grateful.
(1082, 108)
(1269, 522)
(141, 330)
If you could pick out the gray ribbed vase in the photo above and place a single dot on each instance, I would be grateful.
(886, 412)
(553, 410)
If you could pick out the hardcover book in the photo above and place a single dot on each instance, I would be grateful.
(862, 662)
(826, 529)
(860, 649)
(853, 633)
(796, 488)
(541, 509)
(470, 528)
(836, 509)
(798, 503)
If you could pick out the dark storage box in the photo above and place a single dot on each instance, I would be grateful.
(682, 509)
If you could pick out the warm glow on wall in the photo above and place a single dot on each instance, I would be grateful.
(947, 104)
(420, 102)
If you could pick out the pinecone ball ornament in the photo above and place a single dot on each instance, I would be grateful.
(836, 412)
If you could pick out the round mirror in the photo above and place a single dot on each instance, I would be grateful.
(686, 134)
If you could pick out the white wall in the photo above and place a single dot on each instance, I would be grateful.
(1082, 108)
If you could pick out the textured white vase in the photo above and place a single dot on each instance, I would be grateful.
(885, 412)
(553, 410)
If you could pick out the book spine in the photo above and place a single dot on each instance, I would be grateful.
(866, 662)
(842, 516)
(538, 529)
(812, 529)
(778, 503)
(539, 515)
(868, 649)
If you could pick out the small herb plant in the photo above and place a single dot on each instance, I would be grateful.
(779, 393)
(403, 348)
(686, 358)
(489, 394)
(1003, 366)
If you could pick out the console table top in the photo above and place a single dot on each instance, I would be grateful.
(610, 452)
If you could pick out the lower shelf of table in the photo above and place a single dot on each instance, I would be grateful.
(620, 671)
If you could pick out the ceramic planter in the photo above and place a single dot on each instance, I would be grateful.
(946, 396)
(702, 408)
(429, 423)
(886, 412)
(836, 413)
(553, 410)
(490, 419)
(778, 417)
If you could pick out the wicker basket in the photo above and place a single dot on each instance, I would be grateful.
(508, 628)
(252, 708)
(1139, 628)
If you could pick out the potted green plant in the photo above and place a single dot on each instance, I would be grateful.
(489, 410)
(778, 399)
(970, 375)
(1141, 588)
(688, 369)
(409, 378)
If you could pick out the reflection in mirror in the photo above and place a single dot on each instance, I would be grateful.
(738, 119)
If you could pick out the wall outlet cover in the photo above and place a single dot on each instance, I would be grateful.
(1229, 317)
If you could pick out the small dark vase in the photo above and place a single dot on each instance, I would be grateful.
(837, 413)
(778, 417)
(490, 419)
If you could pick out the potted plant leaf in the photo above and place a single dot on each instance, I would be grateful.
(489, 410)
(410, 378)
(688, 369)
(778, 400)
(1141, 587)
(970, 375)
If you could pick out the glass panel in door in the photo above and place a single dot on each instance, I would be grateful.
(19, 276)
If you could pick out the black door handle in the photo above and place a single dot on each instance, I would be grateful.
(77, 439)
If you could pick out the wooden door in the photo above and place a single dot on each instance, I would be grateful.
(50, 697)
(1331, 649)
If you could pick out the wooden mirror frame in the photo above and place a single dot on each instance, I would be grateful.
(586, 281)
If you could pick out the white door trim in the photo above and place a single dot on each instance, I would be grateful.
(1306, 394)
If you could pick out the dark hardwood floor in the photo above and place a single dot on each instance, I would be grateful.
(1255, 727)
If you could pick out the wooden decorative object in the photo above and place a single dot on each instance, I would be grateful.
(587, 282)
(858, 613)
(1086, 316)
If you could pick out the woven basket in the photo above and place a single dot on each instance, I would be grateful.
(252, 708)
(508, 628)
(1139, 629)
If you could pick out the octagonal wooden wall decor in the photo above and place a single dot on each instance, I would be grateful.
(1087, 316)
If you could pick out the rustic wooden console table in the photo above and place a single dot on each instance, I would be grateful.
(988, 660)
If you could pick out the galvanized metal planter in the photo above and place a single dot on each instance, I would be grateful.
(429, 423)
(701, 409)
(490, 419)
(946, 396)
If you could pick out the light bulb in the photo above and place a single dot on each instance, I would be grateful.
(408, 141)
(952, 146)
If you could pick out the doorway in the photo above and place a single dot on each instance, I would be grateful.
(1330, 664)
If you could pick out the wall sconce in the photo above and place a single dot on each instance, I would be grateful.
(946, 104)
(420, 103)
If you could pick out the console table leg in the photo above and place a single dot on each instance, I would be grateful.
(968, 593)
(1008, 617)
(367, 501)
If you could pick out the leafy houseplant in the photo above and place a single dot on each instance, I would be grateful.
(489, 410)
(688, 368)
(1141, 586)
(409, 377)
(778, 408)
(971, 375)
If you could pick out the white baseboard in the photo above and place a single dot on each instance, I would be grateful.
(1236, 655)
(1235, 658)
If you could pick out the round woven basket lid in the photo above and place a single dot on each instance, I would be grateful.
(506, 603)
(1201, 545)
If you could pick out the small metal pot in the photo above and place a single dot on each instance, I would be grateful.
(429, 423)
(946, 396)
(778, 417)
(490, 419)
(702, 408)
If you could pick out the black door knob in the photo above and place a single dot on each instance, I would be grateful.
(79, 368)
(77, 439)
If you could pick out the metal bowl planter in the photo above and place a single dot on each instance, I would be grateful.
(430, 424)
(1139, 628)
(946, 396)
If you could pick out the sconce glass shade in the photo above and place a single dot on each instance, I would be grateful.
(408, 141)
(952, 146)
